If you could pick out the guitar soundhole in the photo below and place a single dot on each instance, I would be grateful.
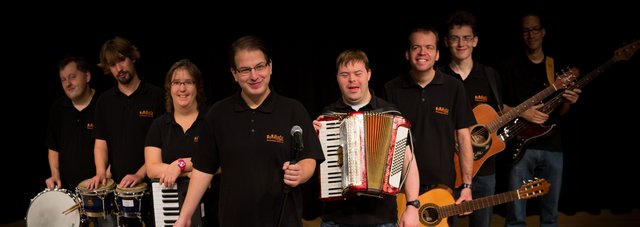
(429, 215)
(481, 140)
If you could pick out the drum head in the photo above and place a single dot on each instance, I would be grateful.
(141, 187)
(47, 207)
(83, 185)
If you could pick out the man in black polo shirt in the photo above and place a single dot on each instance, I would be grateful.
(482, 85)
(123, 116)
(69, 135)
(250, 139)
(437, 107)
(353, 75)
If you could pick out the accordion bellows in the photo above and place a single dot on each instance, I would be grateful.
(364, 154)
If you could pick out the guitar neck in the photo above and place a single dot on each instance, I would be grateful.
(476, 204)
(513, 113)
(557, 100)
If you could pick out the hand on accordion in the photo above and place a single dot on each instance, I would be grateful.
(316, 123)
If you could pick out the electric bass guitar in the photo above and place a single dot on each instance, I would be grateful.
(484, 138)
(438, 204)
(525, 132)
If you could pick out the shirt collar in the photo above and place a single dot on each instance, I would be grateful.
(267, 105)
(142, 89)
(407, 81)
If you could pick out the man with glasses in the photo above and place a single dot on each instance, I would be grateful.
(482, 84)
(523, 76)
(249, 136)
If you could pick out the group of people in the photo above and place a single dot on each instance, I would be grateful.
(135, 131)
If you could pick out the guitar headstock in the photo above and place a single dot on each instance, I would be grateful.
(533, 188)
(565, 78)
(626, 52)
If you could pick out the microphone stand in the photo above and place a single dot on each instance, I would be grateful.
(286, 188)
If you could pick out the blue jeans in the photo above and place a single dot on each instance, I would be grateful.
(483, 186)
(541, 164)
(333, 224)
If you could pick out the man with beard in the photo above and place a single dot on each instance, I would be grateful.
(123, 116)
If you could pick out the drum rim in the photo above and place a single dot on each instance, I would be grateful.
(65, 191)
(138, 189)
(80, 189)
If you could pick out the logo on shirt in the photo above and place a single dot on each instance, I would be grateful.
(145, 113)
(442, 110)
(275, 138)
(196, 139)
(480, 98)
(89, 126)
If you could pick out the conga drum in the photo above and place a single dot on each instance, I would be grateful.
(96, 202)
(129, 200)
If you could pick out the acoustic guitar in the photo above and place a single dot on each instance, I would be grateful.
(484, 138)
(438, 204)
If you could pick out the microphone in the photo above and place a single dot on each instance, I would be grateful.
(296, 132)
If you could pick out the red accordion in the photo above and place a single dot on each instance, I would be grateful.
(364, 154)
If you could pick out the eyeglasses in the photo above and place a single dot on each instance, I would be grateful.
(246, 70)
(455, 39)
(187, 83)
(532, 31)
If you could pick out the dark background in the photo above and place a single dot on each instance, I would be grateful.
(600, 160)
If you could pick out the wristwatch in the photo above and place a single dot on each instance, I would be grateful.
(466, 186)
(415, 203)
(181, 164)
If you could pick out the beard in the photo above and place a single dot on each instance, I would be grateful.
(125, 79)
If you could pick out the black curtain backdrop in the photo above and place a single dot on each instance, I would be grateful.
(600, 145)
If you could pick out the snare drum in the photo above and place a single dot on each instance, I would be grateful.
(128, 200)
(96, 202)
(46, 209)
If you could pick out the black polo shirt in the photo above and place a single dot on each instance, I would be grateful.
(251, 145)
(70, 134)
(478, 89)
(361, 210)
(435, 112)
(522, 79)
(165, 133)
(123, 121)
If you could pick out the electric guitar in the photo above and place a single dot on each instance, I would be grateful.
(484, 138)
(525, 132)
(438, 204)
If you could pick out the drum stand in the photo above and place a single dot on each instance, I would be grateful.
(106, 220)
(121, 214)
(129, 222)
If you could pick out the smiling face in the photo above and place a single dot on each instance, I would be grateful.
(183, 90)
(532, 32)
(252, 72)
(74, 81)
(353, 80)
(461, 42)
(423, 51)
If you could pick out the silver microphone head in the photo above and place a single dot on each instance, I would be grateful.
(295, 129)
